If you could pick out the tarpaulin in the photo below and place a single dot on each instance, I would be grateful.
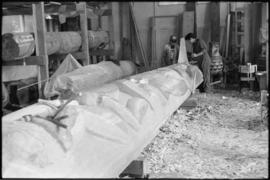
(69, 64)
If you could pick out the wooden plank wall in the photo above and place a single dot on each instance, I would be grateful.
(144, 11)
(215, 22)
(188, 22)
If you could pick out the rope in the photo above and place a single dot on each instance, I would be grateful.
(24, 87)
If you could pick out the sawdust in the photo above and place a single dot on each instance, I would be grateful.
(222, 137)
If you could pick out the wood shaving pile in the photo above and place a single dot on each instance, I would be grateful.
(222, 137)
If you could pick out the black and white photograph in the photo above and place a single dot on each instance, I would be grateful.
(135, 89)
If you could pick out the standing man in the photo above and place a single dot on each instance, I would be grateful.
(198, 55)
(171, 52)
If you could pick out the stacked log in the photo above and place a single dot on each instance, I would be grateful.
(17, 45)
(70, 42)
(21, 45)
(97, 37)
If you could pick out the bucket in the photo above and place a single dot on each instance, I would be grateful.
(261, 77)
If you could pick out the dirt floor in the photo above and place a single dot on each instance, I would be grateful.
(222, 137)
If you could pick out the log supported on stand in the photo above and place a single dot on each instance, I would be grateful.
(109, 126)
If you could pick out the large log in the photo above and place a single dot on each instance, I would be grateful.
(19, 45)
(92, 76)
(105, 132)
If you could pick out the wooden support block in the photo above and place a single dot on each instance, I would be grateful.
(134, 169)
(189, 104)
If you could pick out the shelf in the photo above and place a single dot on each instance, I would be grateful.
(32, 60)
(12, 9)
(101, 52)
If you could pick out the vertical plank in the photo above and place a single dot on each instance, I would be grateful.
(125, 33)
(115, 28)
(267, 45)
(228, 35)
(215, 22)
(192, 6)
(40, 40)
(247, 34)
(142, 52)
(153, 53)
(125, 20)
(256, 24)
(81, 7)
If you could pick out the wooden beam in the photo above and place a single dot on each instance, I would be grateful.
(40, 41)
(137, 35)
(84, 31)
(101, 52)
(52, 9)
(31, 60)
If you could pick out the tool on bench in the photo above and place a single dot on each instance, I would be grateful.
(54, 119)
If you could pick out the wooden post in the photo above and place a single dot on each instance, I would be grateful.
(267, 46)
(81, 7)
(247, 33)
(138, 38)
(115, 28)
(153, 54)
(40, 40)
